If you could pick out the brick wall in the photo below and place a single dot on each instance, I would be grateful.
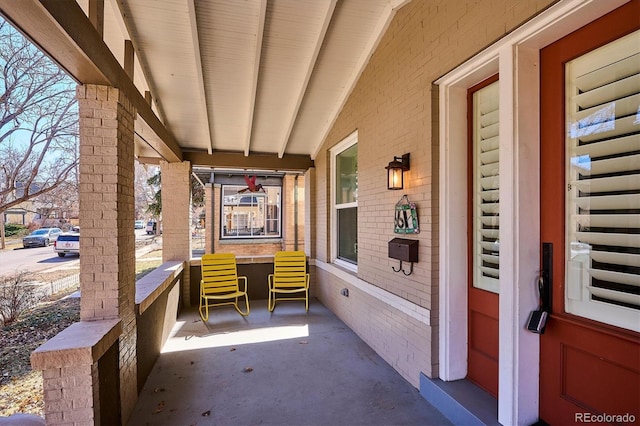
(400, 338)
(394, 108)
(209, 203)
(107, 264)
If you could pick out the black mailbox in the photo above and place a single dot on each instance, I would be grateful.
(403, 249)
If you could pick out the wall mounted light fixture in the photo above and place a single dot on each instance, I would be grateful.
(395, 172)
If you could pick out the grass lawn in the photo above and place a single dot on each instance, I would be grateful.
(20, 386)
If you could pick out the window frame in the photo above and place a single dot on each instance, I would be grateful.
(582, 298)
(335, 151)
(224, 237)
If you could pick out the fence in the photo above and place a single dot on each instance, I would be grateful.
(43, 290)
(64, 283)
(18, 296)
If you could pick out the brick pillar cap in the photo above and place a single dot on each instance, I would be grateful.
(82, 343)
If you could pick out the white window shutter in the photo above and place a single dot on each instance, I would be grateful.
(486, 187)
(603, 203)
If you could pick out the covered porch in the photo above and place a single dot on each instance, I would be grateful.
(288, 367)
(315, 98)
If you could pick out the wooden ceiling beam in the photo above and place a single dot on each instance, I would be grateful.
(288, 162)
(202, 101)
(62, 30)
(262, 16)
(379, 30)
(293, 116)
(96, 15)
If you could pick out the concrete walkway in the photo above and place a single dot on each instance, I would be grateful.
(282, 368)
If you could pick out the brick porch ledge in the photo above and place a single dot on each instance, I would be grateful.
(82, 343)
(152, 285)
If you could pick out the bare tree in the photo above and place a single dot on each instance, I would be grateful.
(38, 122)
(144, 193)
(62, 199)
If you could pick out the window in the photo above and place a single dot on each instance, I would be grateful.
(344, 184)
(603, 184)
(251, 214)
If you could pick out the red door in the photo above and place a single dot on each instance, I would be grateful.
(590, 358)
(483, 340)
(484, 227)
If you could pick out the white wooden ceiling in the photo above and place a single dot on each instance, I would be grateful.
(249, 76)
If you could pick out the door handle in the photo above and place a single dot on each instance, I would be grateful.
(538, 318)
(545, 284)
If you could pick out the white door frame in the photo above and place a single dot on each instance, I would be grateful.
(516, 58)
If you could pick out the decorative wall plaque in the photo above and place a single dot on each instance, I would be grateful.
(406, 217)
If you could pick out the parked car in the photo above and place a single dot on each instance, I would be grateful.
(67, 243)
(139, 224)
(151, 227)
(41, 237)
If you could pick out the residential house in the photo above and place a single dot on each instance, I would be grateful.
(45, 210)
(521, 121)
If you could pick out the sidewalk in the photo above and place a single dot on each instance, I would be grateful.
(12, 244)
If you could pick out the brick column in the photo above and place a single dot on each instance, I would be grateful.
(217, 218)
(293, 218)
(299, 187)
(176, 217)
(107, 272)
(107, 210)
(310, 224)
(209, 219)
(309, 212)
(287, 213)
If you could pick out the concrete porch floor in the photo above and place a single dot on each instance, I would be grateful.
(282, 368)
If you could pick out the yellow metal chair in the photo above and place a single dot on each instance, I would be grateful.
(289, 276)
(220, 284)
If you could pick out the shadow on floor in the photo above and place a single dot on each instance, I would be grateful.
(282, 368)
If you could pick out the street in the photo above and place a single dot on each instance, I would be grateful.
(33, 260)
(41, 258)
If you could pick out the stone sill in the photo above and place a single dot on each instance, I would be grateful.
(243, 260)
(409, 308)
(151, 286)
(249, 241)
(82, 343)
